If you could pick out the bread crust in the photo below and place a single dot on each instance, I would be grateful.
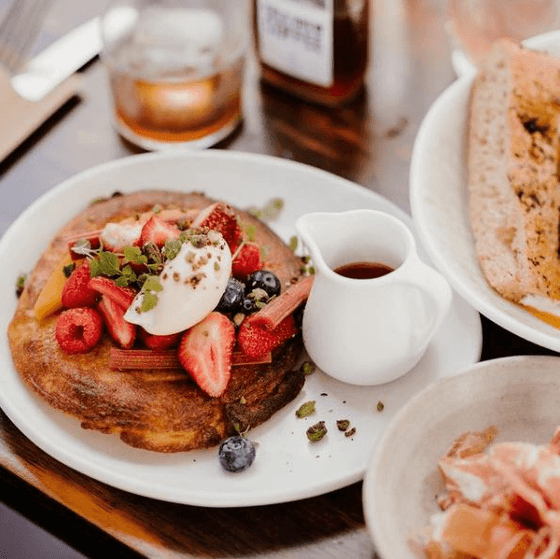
(513, 163)
(156, 410)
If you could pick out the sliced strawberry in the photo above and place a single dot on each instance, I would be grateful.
(120, 330)
(205, 352)
(76, 291)
(157, 342)
(122, 296)
(116, 236)
(158, 231)
(254, 340)
(246, 261)
(222, 218)
(78, 329)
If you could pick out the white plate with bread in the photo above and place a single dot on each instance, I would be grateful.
(477, 203)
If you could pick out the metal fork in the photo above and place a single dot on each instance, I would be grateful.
(19, 29)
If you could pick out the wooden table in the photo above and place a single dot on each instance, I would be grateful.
(370, 142)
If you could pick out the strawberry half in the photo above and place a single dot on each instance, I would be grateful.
(158, 342)
(247, 261)
(76, 291)
(122, 296)
(158, 231)
(78, 330)
(222, 218)
(254, 340)
(123, 332)
(205, 353)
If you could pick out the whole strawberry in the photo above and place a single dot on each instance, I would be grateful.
(247, 261)
(78, 330)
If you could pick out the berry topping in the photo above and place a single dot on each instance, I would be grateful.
(205, 352)
(254, 301)
(254, 340)
(264, 279)
(236, 453)
(247, 261)
(222, 218)
(78, 329)
(76, 291)
(233, 296)
(122, 296)
(158, 231)
(158, 342)
(120, 330)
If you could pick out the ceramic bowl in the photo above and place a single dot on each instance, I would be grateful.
(518, 395)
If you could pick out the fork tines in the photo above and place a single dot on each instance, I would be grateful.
(19, 29)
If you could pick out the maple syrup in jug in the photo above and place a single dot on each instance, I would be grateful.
(316, 49)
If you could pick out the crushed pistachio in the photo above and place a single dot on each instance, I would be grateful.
(20, 284)
(271, 210)
(307, 368)
(342, 424)
(306, 409)
(317, 432)
(351, 432)
(380, 406)
(293, 244)
(68, 269)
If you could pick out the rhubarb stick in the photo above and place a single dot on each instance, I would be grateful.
(271, 315)
(123, 359)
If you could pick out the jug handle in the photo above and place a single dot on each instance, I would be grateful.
(430, 282)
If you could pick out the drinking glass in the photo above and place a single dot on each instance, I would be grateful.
(474, 25)
(175, 69)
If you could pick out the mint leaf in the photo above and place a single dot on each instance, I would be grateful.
(134, 254)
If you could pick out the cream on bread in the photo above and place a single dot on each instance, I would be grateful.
(513, 166)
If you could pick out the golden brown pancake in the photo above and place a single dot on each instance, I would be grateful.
(151, 409)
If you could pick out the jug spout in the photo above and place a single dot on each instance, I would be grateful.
(315, 230)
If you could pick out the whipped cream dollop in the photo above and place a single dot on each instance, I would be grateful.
(192, 284)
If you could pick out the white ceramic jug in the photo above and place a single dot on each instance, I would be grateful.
(368, 331)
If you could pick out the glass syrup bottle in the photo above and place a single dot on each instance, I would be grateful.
(315, 49)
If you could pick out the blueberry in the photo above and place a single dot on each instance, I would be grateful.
(236, 453)
(233, 296)
(264, 279)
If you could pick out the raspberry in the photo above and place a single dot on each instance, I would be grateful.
(78, 329)
(76, 291)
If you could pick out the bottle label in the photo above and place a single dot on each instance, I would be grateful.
(296, 37)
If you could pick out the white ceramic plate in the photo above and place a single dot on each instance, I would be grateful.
(438, 200)
(518, 395)
(288, 466)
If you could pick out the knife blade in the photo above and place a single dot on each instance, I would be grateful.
(59, 61)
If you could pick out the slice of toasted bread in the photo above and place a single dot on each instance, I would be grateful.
(513, 163)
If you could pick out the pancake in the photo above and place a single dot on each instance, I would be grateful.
(158, 410)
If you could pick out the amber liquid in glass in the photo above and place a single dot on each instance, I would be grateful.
(176, 109)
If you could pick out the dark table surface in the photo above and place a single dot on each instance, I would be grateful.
(370, 142)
